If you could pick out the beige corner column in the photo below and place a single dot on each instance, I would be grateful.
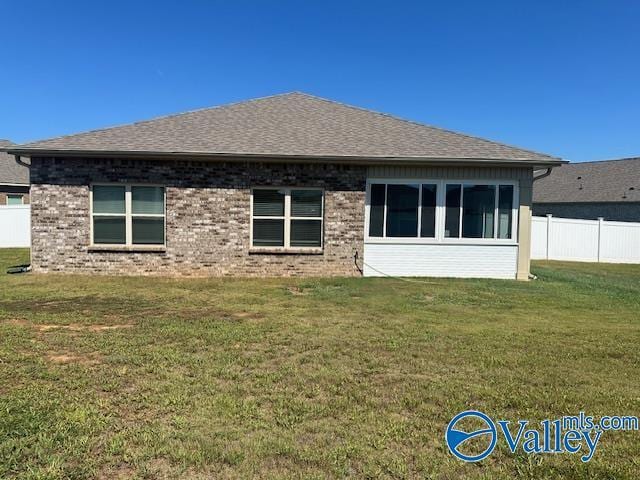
(524, 229)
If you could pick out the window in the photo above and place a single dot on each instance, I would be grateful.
(287, 218)
(505, 211)
(452, 217)
(479, 211)
(128, 215)
(14, 199)
(402, 210)
(428, 218)
(439, 210)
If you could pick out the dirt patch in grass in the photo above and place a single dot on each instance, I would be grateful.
(294, 290)
(73, 358)
(117, 472)
(18, 322)
(89, 304)
(74, 327)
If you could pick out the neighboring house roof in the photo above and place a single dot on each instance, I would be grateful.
(288, 125)
(605, 181)
(11, 173)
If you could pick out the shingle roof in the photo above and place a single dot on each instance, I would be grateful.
(291, 124)
(605, 181)
(10, 171)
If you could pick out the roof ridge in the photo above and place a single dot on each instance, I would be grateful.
(161, 117)
(606, 160)
(420, 124)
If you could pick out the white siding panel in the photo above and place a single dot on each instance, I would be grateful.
(451, 173)
(438, 260)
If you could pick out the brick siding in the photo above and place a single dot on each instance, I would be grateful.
(10, 190)
(207, 221)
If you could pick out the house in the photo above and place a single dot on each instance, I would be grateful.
(609, 189)
(14, 179)
(290, 184)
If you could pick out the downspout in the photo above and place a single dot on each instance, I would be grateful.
(23, 268)
(20, 162)
(545, 174)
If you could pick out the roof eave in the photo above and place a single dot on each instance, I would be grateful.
(363, 160)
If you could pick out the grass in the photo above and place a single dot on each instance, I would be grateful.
(308, 378)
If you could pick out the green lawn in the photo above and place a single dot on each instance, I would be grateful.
(309, 378)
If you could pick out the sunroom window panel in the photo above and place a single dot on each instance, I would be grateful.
(376, 210)
(268, 203)
(505, 211)
(479, 204)
(428, 215)
(306, 233)
(108, 199)
(306, 203)
(452, 211)
(402, 210)
(109, 230)
(147, 231)
(147, 200)
(268, 233)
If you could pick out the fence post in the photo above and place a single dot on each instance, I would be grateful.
(549, 220)
(600, 221)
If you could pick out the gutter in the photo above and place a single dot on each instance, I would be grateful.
(284, 158)
(15, 184)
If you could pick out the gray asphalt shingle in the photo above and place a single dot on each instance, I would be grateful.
(605, 181)
(10, 171)
(292, 124)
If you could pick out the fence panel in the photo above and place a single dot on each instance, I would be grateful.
(15, 226)
(585, 240)
(539, 237)
(620, 242)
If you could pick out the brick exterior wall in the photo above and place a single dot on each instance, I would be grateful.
(207, 221)
(612, 211)
(11, 190)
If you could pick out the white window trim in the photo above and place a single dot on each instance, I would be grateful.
(439, 238)
(287, 217)
(128, 215)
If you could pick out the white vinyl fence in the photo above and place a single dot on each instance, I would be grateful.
(577, 240)
(15, 226)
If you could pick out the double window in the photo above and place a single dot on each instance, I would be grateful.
(128, 215)
(286, 218)
(442, 210)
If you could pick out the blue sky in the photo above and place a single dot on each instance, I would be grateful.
(561, 77)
